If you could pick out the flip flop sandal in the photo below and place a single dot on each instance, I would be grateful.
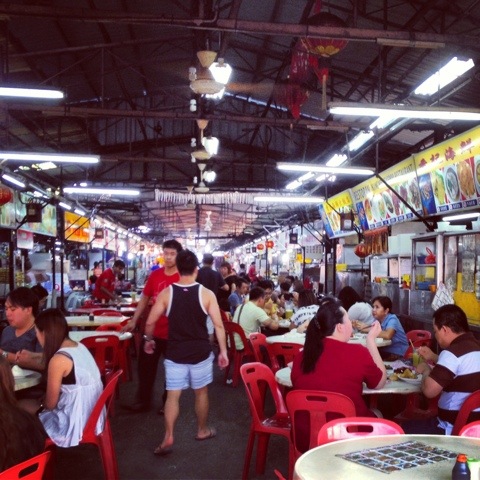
(212, 433)
(162, 451)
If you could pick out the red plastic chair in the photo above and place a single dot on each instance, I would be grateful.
(311, 409)
(124, 358)
(282, 353)
(31, 469)
(105, 350)
(343, 428)
(107, 312)
(235, 356)
(104, 440)
(419, 338)
(471, 403)
(258, 379)
(259, 344)
(470, 430)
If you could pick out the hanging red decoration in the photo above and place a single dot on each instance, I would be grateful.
(292, 95)
(325, 47)
(269, 243)
(361, 250)
(5, 195)
(260, 246)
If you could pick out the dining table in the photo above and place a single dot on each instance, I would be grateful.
(421, 457)
(83, 321)
(294, 337)
(401, 386)
(127, 310)
(27, 379)
(79, 335)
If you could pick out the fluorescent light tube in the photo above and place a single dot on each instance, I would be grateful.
(13, 180)
(306, 176)
(102, 191)
(404, 111)
(294, 185)
(287, 199)
(80, 212)
(64, 205)
(302, 167)
(461, 216)
(445, 75)
(30, 93)
(359, 140)
(49, 157)
(337, 160)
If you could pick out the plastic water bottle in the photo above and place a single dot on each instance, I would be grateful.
(460, 469)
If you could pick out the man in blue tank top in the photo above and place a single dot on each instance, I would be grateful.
(189, 356)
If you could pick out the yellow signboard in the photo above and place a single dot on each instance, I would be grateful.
(77, 228)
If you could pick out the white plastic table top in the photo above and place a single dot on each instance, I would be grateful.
(83, 320)
(325, 462)
(283, 378)
(78, 335)
(30, 379)
(295, 337)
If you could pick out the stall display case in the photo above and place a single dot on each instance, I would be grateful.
(427, 272)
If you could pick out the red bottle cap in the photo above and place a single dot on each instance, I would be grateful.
(461, 457)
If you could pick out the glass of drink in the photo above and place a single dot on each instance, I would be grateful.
(415, 358)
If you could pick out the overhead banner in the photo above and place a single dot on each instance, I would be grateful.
(331, 209)
(449, 173)
(378, 206)
(77, 228)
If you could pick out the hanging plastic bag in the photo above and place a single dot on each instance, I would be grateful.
(443, 296)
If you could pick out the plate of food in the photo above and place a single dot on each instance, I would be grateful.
(452, 187)
(438, 187)
(476, 172)
(379, 208)
(284, 323)
(465, 178)
(387, 198)
(414, 195)
(368, 210)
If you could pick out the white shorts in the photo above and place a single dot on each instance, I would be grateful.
(180, 376)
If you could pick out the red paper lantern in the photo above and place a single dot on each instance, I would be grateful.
(324, 47)
(270, 244)
(5, 195)
(260, 246)
(293, 96)
(361, 250)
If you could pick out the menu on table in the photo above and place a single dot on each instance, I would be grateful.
(401, 456)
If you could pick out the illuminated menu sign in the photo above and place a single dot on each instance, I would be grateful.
(330, 212)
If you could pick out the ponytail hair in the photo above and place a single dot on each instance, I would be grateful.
(329, 314)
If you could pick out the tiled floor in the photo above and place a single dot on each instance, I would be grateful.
(136, 436)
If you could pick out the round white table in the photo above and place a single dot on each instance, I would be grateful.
(295, 337)
(326, 462)
(283, 378)
(79, 335)
(84, 321)
(29, 379)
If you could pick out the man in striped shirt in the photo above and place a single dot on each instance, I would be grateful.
(456, 371)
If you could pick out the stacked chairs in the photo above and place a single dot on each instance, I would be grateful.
(259, 379)
(343, 428)
(309, 410)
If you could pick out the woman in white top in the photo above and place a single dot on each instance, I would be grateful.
(73, 381)
(307, 308)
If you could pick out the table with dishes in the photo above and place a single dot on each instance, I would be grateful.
(83, 321)
(295, 337)
(403, 386)
(423, 457)
(127, 310)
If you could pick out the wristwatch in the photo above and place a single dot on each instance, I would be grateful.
(5, 354)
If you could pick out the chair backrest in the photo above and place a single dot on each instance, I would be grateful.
(471, 403)
(259, 344)
(226, 317)
(310, 409)
(258, 379)
(101, 408)
(110, 327)
(342, 428)
(105, 350)
(232, 329)
(106, 312)
(470, 430)
(31, 469)
(282, 353)
(419, 338)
